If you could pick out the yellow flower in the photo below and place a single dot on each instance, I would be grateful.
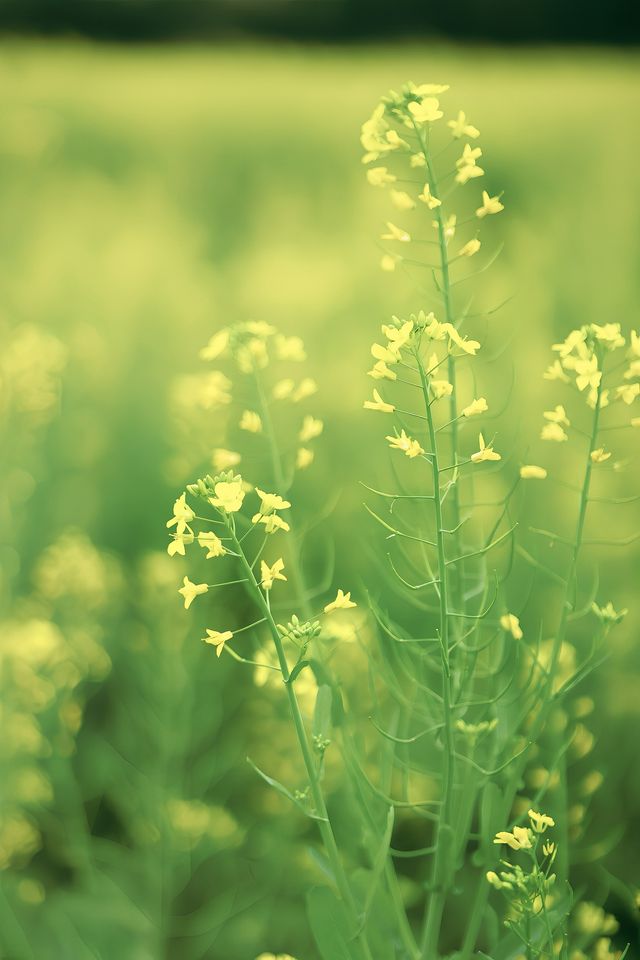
(427, 197)
(388, 263)
(224, 459)
(378, 404)
(304, 458)
(556, 372)
(216, 345)
(418, 160)
(411, 448)
(395, 141)
(489, 205)
(191, 590)
(217, 639)
(306, 388)
(396, 233)
(557, 415)
(178, 543)
(283, 389)
(476, 407)
(609, 334)
(553, 431)
(342, 601)
(449, 226)
(311, 428)
(380, 176)
(441, 388)
(460, 127)
(427, 111)
(182, 515)
(429, 89)
(587, 373)
(518, 839)
(272, 522)
(470, 248)
(269, 574)
(212, 544)
(398, 336)
(599, 455)
(510, 623)
(402, 200)
(388, 353)
(548, 848)
(540, 821)
(628, 392)
(251, 422)
(484, 452)
(531, 472)
(229, 495)
(466, 164)
(470, 347)
(270, 502)
(290, 348)
(381, 371)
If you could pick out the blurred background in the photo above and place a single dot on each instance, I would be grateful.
(169, 168)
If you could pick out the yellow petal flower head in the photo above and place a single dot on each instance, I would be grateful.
(489, 206)
(548, 848)
(484, 452)
(388, 263)
(470, 248)
(540, 821)
(269, 574)
(475, 408)
(418, 160)
(570, 343)
(216, 346)
(395, 141)
(217, 639)
(510, 623)
(388, 353)
(396, 233)
(532, 472)
(411, 448)
(290, 348)
(599, 455)
(587, 373)
(251, 422)
(556, 372)
(469, 347)
(224, 459)
(342, 601)
(270, 502)
(311, 428)
(177, 545)
(460, 127)
(182, 515)
(272, 522)
(468, 169)
(380, 176)
(306, 388)
(557, 415)
(628, 392)
(398, 336)
(212, 544)
(378, 404)
(518, 839)
(449, 227)
(304, 458)
(553, 431)
(229, 495)
(191, 590)
(283, 389)
(427, 111)
(608, 333)
(441, 388)
(427, 197)
(401, 200)
(381, 371)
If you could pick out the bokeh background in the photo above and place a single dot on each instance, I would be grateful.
(153, 190)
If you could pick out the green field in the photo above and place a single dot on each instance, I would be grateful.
(148, 197)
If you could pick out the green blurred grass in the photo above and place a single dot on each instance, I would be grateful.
(150, 196)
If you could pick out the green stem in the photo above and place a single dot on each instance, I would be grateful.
(441, 867)
(326, 830)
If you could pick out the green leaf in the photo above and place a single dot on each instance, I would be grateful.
(328, 925)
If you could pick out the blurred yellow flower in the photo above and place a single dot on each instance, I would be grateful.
(532, 472)
(306, 388)
(283, 389)
(304, 458)
(269, 574)
(489, 205)
(587, 373)
(217, 639)
(470, 248)
(427, 111)
(388, 263)
(411, 448)
(556, 372)
(476, 407)
(628, 392)
(460, 127)
(401, 200)
(191, 590)
(311, 428)
(553, 431)
(216, 345)
(396, 233)
(224, 459)
(599, 455)
(484, 452)
(212, 544)
(380, 371)
(290, 348)
(378, 404)
(557, 415)
(427, 197)
(380, 176)
(251, 422)
(510, 623)
(342, 601)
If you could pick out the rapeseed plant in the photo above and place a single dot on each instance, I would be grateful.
(474, 721)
